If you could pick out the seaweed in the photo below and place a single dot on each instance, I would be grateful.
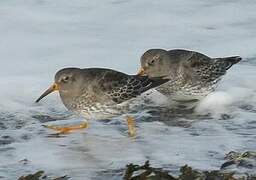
(146, 172)
(246, 160)
(40, 175)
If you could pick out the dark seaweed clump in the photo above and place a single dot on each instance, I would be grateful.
(146, 172)
(229, 170)
(40, 175)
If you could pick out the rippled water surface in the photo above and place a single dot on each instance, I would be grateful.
(38, 37)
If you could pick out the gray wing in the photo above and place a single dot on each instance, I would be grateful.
(202, 67)
(205, 68)
(121, 87)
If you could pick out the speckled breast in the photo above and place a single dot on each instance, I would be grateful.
(88, 107)
(181, 90)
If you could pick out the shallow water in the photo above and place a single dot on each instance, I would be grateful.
(39, 37)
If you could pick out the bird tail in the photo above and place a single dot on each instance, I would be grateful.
(230, 61)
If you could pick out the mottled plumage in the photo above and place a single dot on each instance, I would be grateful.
(191, 75)
(99, 93)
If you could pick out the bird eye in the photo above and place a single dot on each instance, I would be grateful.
(152, 62)
(154, 59)
(66, 78)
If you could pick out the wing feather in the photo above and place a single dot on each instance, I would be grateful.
(121, 87)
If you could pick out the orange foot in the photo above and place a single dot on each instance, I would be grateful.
(131, 128)
(67, 129)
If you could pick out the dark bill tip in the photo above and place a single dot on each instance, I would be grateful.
(51, 89)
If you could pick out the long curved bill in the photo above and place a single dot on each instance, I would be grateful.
(141, 72)
(51, 89)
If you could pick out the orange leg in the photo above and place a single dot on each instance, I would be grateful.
(66, 129)
(131, 128)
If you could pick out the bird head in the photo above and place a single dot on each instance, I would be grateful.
(153, 63)
(65, 82)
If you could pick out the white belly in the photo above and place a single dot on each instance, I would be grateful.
(186, 92)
